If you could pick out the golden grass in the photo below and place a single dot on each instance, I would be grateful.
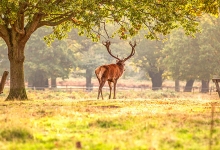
(72, 120)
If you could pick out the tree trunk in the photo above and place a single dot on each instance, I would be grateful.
(39, 80)
(53, 82)
(177, 85)
(205, 86)
(89, 79)
(16, 36)
(46, 83)
(17, 84)
(3, 80)
(189, 85)
(156, 79)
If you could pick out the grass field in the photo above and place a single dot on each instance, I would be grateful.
(147, 120)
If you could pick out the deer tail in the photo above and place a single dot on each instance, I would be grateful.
(100, 71)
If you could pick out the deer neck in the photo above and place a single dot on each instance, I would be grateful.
(121, 67)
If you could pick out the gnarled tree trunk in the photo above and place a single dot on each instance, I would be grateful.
(3, 80)
(16, 58)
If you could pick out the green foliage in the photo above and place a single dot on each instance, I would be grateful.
(130, 16)
(194, 58)
(58, 60)
(182, 56)
(148, 59)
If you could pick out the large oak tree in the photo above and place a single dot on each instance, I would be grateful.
(20, 18)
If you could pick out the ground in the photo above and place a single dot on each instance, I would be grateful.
(153, 120)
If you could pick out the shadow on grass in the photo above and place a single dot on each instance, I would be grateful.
(16, 134)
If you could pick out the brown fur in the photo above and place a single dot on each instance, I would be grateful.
(110, 73)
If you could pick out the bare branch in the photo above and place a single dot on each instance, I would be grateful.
(105, 30)
(99, 33)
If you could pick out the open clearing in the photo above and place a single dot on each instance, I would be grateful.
(76, 120)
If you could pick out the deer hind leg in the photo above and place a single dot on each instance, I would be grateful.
(110, 87)
(102, 83)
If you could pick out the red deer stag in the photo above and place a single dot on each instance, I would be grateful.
(111, 72)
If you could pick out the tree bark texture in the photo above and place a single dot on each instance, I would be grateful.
(189, 86)
(17, 84)
(3, 80)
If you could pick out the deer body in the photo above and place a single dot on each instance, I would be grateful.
(111, 72)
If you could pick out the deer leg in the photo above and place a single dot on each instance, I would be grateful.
(102, 83)
(115, 82)
(99, 88)
(110, 87)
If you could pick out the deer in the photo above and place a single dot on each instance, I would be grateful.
(112, 72)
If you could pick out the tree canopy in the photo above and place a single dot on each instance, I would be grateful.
(24, 17)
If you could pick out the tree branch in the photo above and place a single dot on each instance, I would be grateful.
(16, 28)
(32, 26)
(53, 22)
(4, 34)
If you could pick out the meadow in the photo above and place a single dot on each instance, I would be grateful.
(137, 120)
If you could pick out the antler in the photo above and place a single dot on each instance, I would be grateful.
(132, 51)
(107, 44)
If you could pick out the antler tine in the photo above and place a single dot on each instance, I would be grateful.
(133, 45)
(106, 43)
(132, 51)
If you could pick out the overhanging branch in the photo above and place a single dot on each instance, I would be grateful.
(53, 22)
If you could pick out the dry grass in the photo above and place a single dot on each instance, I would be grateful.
(76, 120)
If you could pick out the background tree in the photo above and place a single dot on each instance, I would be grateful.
(190, 58)
(209, 50)
(45, 62)
(148, 58)
(20, 19)
(182, 58)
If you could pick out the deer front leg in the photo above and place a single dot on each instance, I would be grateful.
(110, 87)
